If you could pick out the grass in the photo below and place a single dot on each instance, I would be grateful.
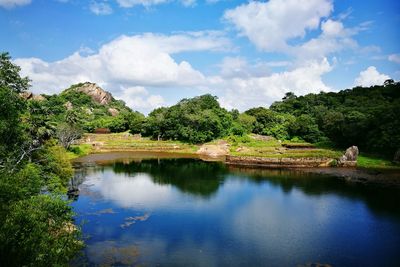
(248, 146)
(76, 151)
(374, 162)
(126, 142)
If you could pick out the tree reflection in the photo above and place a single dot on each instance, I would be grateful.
(200, 178)
(188, 175)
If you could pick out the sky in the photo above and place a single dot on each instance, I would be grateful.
(152, 53)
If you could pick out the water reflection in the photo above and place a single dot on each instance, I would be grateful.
(186, 212)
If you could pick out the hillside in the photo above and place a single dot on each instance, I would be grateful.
(88, 105)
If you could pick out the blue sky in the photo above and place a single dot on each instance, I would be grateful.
(249, 53)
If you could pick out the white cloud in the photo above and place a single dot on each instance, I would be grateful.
(238, 67)
(131, 3)
(370, 77)
(14, 3)
(131, 67)
(100, 8)
(188, 3)
(394, 58)
(334, 38)
(128, 61)
(148, 3)
(269, 25)
(246, 92)
(137, 97)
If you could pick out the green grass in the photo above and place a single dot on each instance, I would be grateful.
(274, 149)
(76, 151)
(126, 142)
(374, 162)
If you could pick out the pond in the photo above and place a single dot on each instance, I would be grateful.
(154, 210)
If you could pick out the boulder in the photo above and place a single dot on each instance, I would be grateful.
(114, 112)
(38, 98)
(351, 153)
(396, 158)
(96, 93)
(68, 105)
(219, 149)
(349, 159)
(26, 95)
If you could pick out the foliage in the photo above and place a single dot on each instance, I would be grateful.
(9, 75)
(35, 225)
(268, 122)
(36, 232)
(195, 120)
(366, 117)
(68, 134)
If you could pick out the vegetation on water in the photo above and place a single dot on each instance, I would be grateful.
(35, 219)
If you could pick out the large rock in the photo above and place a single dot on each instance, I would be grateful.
(68, 105)
(219, 149)
(26, 95)
(114, 112)
(396, 158)
(349, 158)
(38, 98)
(351, 153)
(96, 93)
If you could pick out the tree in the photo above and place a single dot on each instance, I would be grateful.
(68, 134)
(37, 232)
(10, 75)
(388, 82)
(13, 148)
(35, 228)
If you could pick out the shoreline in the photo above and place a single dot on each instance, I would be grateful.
(382, 177)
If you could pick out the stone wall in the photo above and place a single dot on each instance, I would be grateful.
(279, 162)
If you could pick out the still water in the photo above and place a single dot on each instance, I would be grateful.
(149, 210)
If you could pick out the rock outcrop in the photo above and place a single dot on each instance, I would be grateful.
(38, 98)
(219, 149)
(349, 159)
(68, 105)
(396, 158)
(114, 112)
(96, 93)
(27, 95)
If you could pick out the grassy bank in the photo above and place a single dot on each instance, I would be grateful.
(246, 146)
(238, 146)
(375, 162)
(253, 147)
(98, 143)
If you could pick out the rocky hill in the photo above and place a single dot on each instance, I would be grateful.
(89, 104)
(96, 93)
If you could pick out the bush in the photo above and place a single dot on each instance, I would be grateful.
(38, 232)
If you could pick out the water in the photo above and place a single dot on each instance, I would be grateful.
(136, 210)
